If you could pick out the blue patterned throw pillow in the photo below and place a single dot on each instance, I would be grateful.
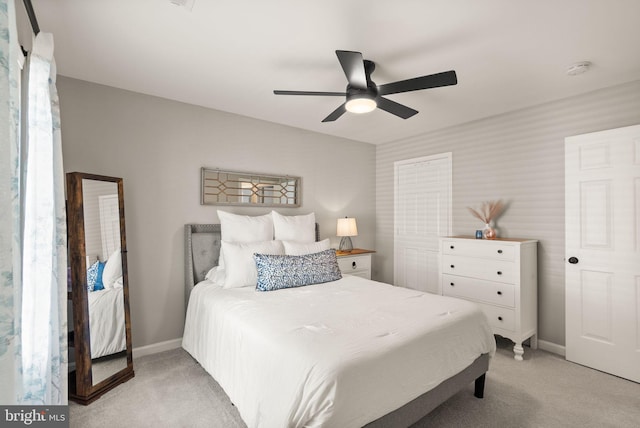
(276, 272)
(94, 276)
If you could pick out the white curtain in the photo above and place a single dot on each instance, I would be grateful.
(11, 59)
(36, 280)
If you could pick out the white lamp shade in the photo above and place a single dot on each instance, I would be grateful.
(347, 227)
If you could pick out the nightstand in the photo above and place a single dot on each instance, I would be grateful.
(355, 262)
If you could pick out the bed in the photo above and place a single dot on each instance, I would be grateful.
(347, 353)
(106, 305)
(107, 327)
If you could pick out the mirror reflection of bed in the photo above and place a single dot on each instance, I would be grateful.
(99, 284)
(104, 278)
(107, 326)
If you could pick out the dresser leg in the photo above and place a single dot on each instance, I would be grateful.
(518, 351)
(533, 341)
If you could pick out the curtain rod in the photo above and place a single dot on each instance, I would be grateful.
(32, 16)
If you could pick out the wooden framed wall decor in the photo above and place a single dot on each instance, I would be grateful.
(245, 188)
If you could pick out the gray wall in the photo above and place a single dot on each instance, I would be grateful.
(517, 157)
(158, 146)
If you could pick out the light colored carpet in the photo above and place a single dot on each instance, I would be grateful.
(171, 390)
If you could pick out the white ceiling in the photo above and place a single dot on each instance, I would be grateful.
(231, 54)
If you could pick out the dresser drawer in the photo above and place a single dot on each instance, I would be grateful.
(355, 265)
(477, 289)
(361, 273)
(481, 248)
(500, 317)
(490, 270)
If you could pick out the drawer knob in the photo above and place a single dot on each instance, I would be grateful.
(452, 266)
(452, 247)
(499, 272)
(499, 251)
(353, 265)
(499, 318)
(452, 284)
(499, 293)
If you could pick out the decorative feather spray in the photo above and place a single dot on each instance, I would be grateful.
(488, 211)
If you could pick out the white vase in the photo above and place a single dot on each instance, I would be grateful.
(489, 232)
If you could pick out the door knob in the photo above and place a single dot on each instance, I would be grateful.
(573, 260)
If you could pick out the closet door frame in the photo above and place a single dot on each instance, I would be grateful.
(416, 235)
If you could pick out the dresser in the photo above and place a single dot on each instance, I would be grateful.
(500, 275)
(355, 262)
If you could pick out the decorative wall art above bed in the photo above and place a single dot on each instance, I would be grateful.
(247, 188)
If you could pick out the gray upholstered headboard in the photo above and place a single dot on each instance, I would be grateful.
(202, 250)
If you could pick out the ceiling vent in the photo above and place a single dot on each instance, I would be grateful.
(187, 4)
(578, 68)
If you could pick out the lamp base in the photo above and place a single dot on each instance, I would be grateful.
(345, 244)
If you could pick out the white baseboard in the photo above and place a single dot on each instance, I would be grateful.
(552, 347)
(157, 347)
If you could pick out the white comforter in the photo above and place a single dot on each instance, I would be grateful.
(106, 322)
(339, 354)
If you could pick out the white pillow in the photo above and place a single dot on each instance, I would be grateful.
(119, 283)
(292, 248)
(244, 228)
(112, 270)
(240, 267)
(299, 228)
(216, 275)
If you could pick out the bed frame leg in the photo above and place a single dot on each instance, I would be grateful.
(479, 392)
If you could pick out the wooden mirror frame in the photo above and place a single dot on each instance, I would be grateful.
(81, 387)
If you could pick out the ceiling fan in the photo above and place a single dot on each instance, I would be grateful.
(363, 95)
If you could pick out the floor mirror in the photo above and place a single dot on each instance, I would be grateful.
(100, 352)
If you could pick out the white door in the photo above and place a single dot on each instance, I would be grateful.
(109, 223)
(602, 203)
(422, 213)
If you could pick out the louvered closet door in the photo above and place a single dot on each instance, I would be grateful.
(109, 223)
(422, 193)
(602, 203)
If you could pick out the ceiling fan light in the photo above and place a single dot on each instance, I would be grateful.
(361, 105)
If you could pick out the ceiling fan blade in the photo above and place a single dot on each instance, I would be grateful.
(395, 108)
(335, 114)
(328, 94)
(353, 66)
(446, 78)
